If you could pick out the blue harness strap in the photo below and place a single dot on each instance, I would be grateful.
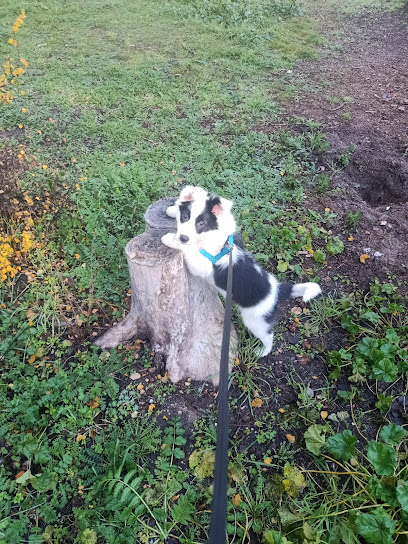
(225, 251)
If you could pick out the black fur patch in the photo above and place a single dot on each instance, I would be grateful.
(239, 241)
(207, 221)
(249, 286)
(284, 291)
(185, 211)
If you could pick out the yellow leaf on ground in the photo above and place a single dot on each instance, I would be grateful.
(237, 499)
(93, 403)
(31, 359)
(364, 257)
(30, 314)
(256, 403)
(323, 414)
(290, 438)
(151, 407)
(268, 461)
(80, 437)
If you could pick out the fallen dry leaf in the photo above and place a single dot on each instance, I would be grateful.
(290, 438)
(323, 414)
(30, 314)
(237, 499)
(257, 403)
(364, 257)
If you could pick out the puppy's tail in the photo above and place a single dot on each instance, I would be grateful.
(307, 290)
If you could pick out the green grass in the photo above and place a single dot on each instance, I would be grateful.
(127, 102)
(140, 95)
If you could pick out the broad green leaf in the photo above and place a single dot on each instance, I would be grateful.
(293, 481)
(287, 517)
(367, 346)
(373, 317)
(359, 370)
(282, 266)
(346, 531)
(203, 463)
(382, 457)
(392, 336)
(383, 402)
(393, 434)
(178, 453)
(384, 370)
(274, 489)
(274, 537)
(376, 527)
(315, 438)
(384, 490)
(402, 495)
(341, 445)
(348, 324)
(26, 478)
(319, 256)
(335, 246)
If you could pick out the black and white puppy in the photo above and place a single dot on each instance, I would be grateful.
(204, 224)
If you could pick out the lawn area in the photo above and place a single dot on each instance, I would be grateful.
(105, 107)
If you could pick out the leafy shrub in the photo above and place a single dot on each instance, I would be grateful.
(379, 512)
(109, 212)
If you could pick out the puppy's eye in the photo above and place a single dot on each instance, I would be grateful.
(201, 224)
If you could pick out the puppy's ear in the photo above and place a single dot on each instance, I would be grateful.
(190, 193)
(220, 206)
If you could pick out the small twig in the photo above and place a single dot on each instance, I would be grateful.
(339, 107)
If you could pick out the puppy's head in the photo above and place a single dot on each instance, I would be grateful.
(203, 218)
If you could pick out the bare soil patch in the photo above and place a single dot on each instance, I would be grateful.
(358, 90)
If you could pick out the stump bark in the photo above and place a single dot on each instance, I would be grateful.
(180, 314)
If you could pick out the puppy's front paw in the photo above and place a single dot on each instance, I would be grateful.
(172, 211)
(170, 240)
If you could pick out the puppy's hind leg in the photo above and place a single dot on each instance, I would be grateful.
(267, 341)
(260, 328)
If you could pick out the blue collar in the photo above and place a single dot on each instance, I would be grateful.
(229, 244)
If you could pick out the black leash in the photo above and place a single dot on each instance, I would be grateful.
(219, 502)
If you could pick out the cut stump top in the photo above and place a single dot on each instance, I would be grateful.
(156, 217)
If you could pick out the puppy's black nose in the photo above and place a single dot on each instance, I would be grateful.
(184, 238)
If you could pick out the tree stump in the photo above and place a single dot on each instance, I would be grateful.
(180, 314)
